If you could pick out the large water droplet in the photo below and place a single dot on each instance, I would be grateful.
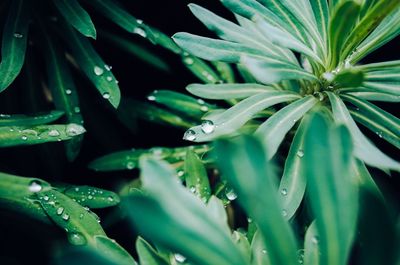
(35, 186)
(54, 133)
(230, 194)
(76, 239)
(141, 32)
(60, 210)
(18, 35)
(189, 135)
(68, 91)
(179, 258)
(284, 192)
(98, 70)
(207, 127)
(106, 95)
(130, 165)
(74, 129)
(65, 216)
(300, 153)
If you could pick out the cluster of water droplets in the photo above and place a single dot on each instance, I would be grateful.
(100, 71)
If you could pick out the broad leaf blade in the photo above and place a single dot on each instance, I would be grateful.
(74, 13)
(15, 37)
(245, 166)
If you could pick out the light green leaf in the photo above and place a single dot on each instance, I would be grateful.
(202, 239)
(18, 135)
(73, 12)
(293, 181)
(273, 131)
(93, 66)
(341, 24)
(321, 13)
(15, 36)
(226, 71)
(63, 90)
(311, 249)
(196, 177)
(232, 119)
(277, 72)
(201, 69)
(363, 148)
(332, 193)
(244, 165)
(227, 91)
(370, 95)
(181, 103)
(147, 254)
(29, 120)
(367, 24)
(259, 251)
(113, 251)
(389, 88)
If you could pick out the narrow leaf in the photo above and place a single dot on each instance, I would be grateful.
(147, 254)
(196, 177)
(29, 120)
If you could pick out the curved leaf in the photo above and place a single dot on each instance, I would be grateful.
(147, 254)
(29, 120)
(311, 250)
(196, 178)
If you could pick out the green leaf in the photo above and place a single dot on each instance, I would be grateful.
(227, 91)
(203, 240)
(293, 181)
(341, 24)
(349, 78)
(273, 131)
(91, 197)
(200, 69)
(244, 165)
(226, 71)
(321, 14)
(63, 90)
(118, 15)
(232, 119)
(277, 72)
(331, 190)
(93, 66)
(388, 88)
(15, 37)
(311, 249)
(259, 251)
(30, 120)
(18, 135)
(74, 13)
(196, 177)
(387, 30)
(367, 24)
(181, 103)
(370, 95)
(113, 251)
(363, 148)
(220, 50)
(129, 159)
(147, 254)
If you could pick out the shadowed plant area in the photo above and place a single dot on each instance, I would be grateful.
(282, 150)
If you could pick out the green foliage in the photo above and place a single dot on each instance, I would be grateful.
(281, 92)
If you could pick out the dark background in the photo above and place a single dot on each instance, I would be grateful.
(25, 241)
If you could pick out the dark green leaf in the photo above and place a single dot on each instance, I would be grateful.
(29, 120)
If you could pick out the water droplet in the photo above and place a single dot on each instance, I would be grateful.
(180, 173)
(109, 78)
(139, 21)
(300, 153)
(200, 101)
(192, 189)
(35, 186)
(110, 198)
(315, 239)
(130, 165)
(65, 216)
(151, 97)
(264, 251)
(81, 216)
(60, 210)
(98, 70)
(46, 198)
(18, 35)
(204, 108)
(230, 194)
(284, 192)
(106, 95)
(210, 78)
(68, 91)
(74, 129)
(24, 137)
(179, 258)
(76, 239)
(249, 220)
(188, 61)
(189, 135)
(108, 67)
(141, 32)
(90, 197)
(379, 134)
(207, 127)
(284, 213)
(54, 133)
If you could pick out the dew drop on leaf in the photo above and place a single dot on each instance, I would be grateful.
(110, 198)
(189, 135)
(109, 78)
(54, 133)
(106, 95)
(204, 108)
(284, 213)
(35, 186)
(60, 210)
(284, 192)
(300, 153)
(130, 165)
(230, 194)
(18, 35)
(65, 216)
(179, 258)
(68, 91)
(24, 137)
(74, 129)
(151, 98)
(98, 70)
(315, 239)
(192, 189)
(139, 31)
(188, 61)
(207, 126)
(76, 239)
